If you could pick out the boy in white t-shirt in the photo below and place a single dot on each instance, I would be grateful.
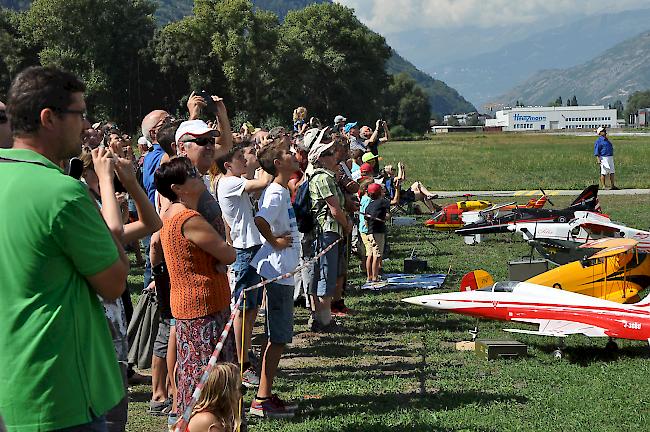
(280, 254)
(237, 211)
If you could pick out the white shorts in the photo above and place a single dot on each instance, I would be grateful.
(606, 165)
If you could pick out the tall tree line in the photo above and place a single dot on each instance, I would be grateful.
(320, 57)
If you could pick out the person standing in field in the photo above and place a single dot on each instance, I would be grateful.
(604, 152)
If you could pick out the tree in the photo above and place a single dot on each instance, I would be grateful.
(568, 101)
(637, 101)
(618, 105)
(331, 63)
(452, 121)
(99, 40)
(406, 104)
(574, 101)
(15, 55)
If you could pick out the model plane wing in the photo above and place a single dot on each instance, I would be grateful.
(559, 328)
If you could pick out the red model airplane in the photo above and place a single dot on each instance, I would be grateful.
(556, 312)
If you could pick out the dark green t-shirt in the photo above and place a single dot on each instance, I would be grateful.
(58, 362)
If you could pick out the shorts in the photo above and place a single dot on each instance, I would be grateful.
(162, 338)
(366, 244)
(326, 271)
(606, 165)
(304, 278)
(377, 242)
(406, 197)
(245, 276)
(279, 313)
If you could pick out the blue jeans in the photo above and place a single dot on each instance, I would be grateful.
(246, 276)
(327, 268)
(98, 424)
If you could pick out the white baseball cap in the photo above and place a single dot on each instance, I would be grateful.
(600, 129)
(194, 128)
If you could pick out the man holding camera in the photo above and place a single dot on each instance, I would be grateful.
(56, 254)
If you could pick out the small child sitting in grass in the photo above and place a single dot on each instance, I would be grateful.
(217, 409)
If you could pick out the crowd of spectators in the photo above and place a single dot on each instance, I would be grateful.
(217, 210)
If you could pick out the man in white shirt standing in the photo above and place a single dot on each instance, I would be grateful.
(237, 209)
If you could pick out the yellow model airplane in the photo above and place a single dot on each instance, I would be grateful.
(616, 273)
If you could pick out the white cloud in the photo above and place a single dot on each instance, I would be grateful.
(392, 16)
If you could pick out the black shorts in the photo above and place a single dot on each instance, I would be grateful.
(406, 197)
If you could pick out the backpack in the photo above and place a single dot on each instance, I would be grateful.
(302, 208)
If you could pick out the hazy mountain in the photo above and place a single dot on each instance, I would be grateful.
(611, 75)
(483, 77)
(443, 99)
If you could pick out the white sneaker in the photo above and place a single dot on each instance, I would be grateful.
(250, 378)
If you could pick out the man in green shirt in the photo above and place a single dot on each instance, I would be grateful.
(59, 368)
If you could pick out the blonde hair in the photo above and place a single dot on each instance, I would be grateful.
(220, 395)
(299, 113)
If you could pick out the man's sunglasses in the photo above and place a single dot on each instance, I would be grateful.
(3, 117)
(202, 141)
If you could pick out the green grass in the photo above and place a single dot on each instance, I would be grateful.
(395, 368)
(507, 161)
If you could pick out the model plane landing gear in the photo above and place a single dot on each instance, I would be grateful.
(611, 346)
(558, 354)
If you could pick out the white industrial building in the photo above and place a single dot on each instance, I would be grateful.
(522, 119)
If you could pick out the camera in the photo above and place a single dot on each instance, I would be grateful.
(210, 105)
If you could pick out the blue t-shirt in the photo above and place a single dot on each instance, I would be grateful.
(603, 147)
(149, 167)
(363, 227)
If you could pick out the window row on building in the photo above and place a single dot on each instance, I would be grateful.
(523, 126)
(584, 119)
(583, 126)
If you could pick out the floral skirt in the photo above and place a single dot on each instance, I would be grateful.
(196, 339)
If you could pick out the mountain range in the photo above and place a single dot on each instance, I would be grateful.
(612, 75)
(442, 98)
(483, 77)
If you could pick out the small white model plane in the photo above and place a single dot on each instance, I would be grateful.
(557, 313)
(558, 242)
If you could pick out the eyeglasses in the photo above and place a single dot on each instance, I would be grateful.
(81, 113)
(3, 117)
(192, 173)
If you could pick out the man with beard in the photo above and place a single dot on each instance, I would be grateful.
(56, 254)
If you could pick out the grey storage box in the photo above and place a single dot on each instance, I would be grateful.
(494, 349)
(525, 269)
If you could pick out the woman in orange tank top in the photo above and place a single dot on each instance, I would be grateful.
(195, 255)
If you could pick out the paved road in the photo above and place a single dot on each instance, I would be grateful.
(536, 192)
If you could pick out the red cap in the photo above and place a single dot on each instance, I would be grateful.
(365, 168)
(374, 189)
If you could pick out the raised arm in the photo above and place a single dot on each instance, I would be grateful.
(104, 164)
(262, 180)
(149, 221)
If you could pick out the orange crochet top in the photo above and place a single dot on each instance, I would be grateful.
(196, 288)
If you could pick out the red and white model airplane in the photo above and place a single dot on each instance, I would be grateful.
(557, 313)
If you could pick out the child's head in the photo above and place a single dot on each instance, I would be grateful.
(232, 162)
(276, 158)
(374, 191)
(299, 113)
(221, 393)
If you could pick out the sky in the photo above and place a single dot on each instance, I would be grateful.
(430, 32)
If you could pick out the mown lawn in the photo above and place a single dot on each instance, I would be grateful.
(395, 368)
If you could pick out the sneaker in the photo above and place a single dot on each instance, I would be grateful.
(333, 327)
(160, 408)
(288, 405)
(270, 408)
(250, 378)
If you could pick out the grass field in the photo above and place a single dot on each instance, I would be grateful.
(506, 161)
(394, 368)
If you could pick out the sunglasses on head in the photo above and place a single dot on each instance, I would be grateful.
(3, 117)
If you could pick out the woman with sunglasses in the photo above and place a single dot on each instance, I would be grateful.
(199, 292)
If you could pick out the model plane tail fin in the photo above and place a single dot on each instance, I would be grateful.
(476, 279)
(588, 199)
